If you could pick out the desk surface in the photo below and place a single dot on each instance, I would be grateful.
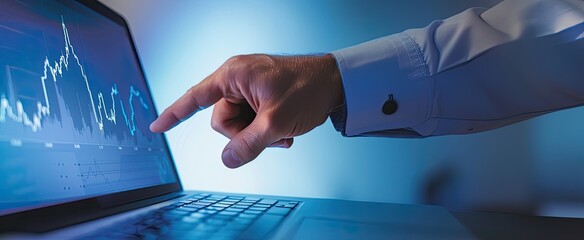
(510, 226)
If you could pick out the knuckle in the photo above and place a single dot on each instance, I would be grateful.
(245, 65)
(237, 67)
(267, 59)
(216, 125)
(192, 95)
(191, 91)
(235, 60)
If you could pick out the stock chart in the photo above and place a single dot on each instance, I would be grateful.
(74, 107)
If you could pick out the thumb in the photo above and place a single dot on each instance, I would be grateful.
(246, 145)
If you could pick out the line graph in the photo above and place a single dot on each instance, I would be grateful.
(54, 71)
(93, 171)
(74, 107)
(99, 172)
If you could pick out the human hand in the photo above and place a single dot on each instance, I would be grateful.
(261, 101)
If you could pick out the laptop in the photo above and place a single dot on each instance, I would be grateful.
(77, 160)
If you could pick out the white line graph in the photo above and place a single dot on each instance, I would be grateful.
(55, 70)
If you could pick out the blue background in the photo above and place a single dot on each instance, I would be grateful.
(533, 167)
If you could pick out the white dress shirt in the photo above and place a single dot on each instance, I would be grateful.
(478, 70)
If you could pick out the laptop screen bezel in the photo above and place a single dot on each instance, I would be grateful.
(45, 218)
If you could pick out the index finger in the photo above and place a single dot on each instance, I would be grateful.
(198, 97)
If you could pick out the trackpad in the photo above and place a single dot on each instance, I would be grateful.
(322, 228)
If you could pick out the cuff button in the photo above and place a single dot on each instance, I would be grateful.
(390, 106)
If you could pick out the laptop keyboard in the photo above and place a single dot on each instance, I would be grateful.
(205, 216)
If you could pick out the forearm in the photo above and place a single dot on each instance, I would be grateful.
(475, 71)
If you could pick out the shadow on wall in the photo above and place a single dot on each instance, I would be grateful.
(489, 171)
(537, 170)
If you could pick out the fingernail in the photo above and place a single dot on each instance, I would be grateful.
(286, 143)
(153, 126)
(230, 159)
(281, 145)
(273, 145)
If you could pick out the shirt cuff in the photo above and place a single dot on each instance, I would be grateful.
(371, 72)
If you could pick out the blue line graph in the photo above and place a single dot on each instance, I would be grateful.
(131, 122)
(54, 71)
(74, 107)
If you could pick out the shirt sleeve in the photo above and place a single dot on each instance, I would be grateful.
(478, 70)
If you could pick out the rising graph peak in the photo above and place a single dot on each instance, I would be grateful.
(54, 70)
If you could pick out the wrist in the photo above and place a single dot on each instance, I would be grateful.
(335, 83)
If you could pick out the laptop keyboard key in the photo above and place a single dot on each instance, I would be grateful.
(258, 208)
(254, 212)
(268, 201)
(238, 205)
(207, 211)
(228, 213)
(260, 205)
(232, 209)
(278, 211)
(215, 208)
(185, 209)
(217, 197)
(245, 215)
(221, 205)
(251, 199)
(192, 220)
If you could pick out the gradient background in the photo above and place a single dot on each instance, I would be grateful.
(534, 167)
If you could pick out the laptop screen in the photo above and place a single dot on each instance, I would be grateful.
(74, 108)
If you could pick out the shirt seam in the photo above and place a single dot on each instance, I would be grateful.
(418, 55)
(423, 65)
